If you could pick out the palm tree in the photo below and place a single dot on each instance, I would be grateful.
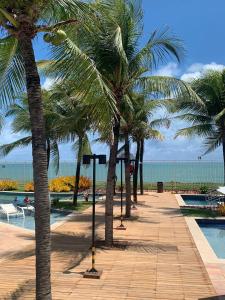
(113, 48)
(208, 117)
(21, 22)
(21, 124)
(143, 126)
(75, 122)
(123, 66)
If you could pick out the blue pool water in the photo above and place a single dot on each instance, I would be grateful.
(28, 221)
(198, 200)
(214, 231)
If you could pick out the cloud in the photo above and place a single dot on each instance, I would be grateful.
(48, 83)
(196, 70)
(171, 69)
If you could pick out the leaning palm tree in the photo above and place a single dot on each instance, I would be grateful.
(20, 23)
(207, 118)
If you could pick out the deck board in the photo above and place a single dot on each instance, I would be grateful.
(155, 258)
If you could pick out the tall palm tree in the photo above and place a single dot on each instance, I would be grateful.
(208, 117)
(143, 126)
(123, 66)
(113, 48)
(20, 23)
(75, 123)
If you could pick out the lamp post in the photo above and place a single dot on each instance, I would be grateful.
(93, 273)
(121, 160)
(133, 206)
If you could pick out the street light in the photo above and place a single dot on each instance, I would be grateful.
(121, 159)
(133, 206)
(93, 273)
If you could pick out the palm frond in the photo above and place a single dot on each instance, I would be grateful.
(203, 130)
(12, 74)
(212, 142)
(7, 148)
(164, 87)
(164, 121)
(160, 46)
(55, 156)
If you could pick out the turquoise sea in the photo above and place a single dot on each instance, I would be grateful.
(179, 171)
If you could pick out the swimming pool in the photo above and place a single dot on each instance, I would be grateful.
(201, 200)
(28, 221)
(214, 231)
(8, 197)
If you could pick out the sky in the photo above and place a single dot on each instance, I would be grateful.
(200, 24)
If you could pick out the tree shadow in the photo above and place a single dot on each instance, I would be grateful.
(222, 297)
(22, 290)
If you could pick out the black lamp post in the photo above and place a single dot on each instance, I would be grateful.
(121, 160)
(93, 273)
(133, 206)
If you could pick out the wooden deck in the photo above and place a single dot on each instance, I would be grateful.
(155, 258)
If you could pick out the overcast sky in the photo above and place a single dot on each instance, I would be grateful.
(200, 24)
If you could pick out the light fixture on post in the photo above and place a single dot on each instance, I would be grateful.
(93, 273)
(133, 206)
(121, 160)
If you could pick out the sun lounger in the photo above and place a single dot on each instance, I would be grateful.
(11, 210)
(221, 190)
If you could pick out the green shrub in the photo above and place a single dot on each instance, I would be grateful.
(203, 189)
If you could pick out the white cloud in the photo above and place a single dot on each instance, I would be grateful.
(190, 76)
(196, 70)
(171, 69)
(48, 83)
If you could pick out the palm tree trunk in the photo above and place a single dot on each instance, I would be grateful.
(127, 176)
(40, 175)
(48, 152)
(223, 159)
(111, 176)
(141, 167)
(135, 175)
(77, 177)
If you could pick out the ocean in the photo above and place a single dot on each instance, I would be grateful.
(178, 171)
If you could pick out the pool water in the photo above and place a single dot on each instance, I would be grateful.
(28, 221)
(199, 200)
(214, 231)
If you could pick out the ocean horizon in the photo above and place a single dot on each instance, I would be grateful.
(167, 171)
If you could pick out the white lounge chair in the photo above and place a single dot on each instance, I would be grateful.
(11, 210)
(221, 190)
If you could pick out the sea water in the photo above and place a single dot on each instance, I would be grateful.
(178, 171)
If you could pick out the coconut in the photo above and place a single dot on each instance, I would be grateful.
(47, 37)
(55, 38)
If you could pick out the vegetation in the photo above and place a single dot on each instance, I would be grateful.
(66, 184)
(104, 85)
(63, 184)
(20, 23)
(68, 205)
(198, 212)
(207, 117)
(8, 185)
(124, 67)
